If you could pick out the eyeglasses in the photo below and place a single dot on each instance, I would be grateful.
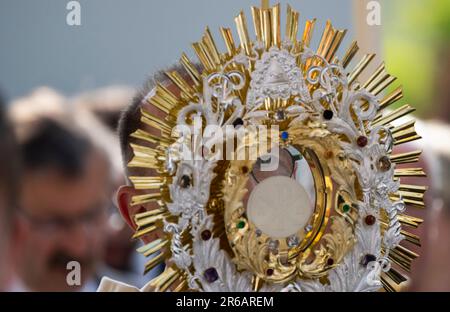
(59, 224)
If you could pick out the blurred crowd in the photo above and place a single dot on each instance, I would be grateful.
(60, 166)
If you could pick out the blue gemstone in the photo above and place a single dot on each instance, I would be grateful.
(284, 135)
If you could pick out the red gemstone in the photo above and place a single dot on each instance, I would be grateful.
(206, 235)
(269, 272)
(362, 141)
(370, 220)
(330, 261)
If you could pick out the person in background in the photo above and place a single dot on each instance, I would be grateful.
(62, 212)
(101, 108)
(65, 194)
(9, 178)
(105, 103)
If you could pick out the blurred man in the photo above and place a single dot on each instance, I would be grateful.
(101, 109)
(62, 214)
(8, 192)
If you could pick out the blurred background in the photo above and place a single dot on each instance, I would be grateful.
(63, 87)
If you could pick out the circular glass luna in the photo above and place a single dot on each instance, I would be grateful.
(281, 202)
(279, 206)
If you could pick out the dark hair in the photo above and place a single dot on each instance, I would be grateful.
(9, 164)
(53, 145)
(129, 120)
(129, 123)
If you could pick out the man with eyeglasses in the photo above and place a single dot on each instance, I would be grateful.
(61, 219)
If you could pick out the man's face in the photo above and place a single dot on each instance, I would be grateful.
(62, 220)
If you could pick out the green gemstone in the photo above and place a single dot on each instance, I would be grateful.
(241, 224)
(346, 208)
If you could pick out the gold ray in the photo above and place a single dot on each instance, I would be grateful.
(267, 28)
(144, 199)
(148, 183)
(405, 252)
(257, 23)
(202, 57)
(276, 25)
(146, 157)
(327, 38)
(308, 32)
(166, 279)
(383, 85)
(415, 198)
(163, 99)
(406, 158)
(151, 219)
(359, 68)
(412, 238)
(350, 54)
(145, 231)
(191, 69)
(413, 188)
(381, 120)
(229, 41)
(292, 24)
(209, 62)
(241, 24)
(387, 284)
(145, 136)
(182, 286)
(402, 263)
(409, 220)
(412, 195)
(153, 247)
(149, 213)
(154, 262)
(166, 94)
(393, 97)
(186, 90)
(161, 105)
(209, 43)
(155, 122)
(378, 79)
(402, 257)
(336, 43)
(145, 162)
(405, 133)
(145, 151)
(409, 172)
(418, 203)
(396, 276)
